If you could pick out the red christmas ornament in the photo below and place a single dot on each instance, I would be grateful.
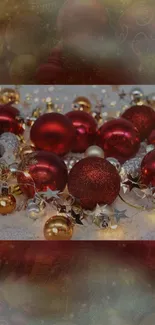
(151, 138)
(41, 170)
(53, 132)
(142, 118)
(148, 169)
(119, 139)
(85, 126)
(9, 120)
(94, 180)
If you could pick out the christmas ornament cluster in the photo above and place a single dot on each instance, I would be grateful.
(73, 162)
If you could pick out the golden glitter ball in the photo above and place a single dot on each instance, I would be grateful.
(82, 104)
(26, 150)
(94, 151)
(9, 95)
(7, 203)
(58, 227)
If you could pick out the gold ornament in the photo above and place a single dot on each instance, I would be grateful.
(35, 114)
(49, 105)
(150, 100)
(21, 138)
(98, 117)
(7, 201)
(4, 171)
(137, 96)
(15, 190)
(82, 104)
(94, 151)
(9, 95)
(26, 150)
(58, 227)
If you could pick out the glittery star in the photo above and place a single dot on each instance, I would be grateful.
(122, 95)
(77, 217)
(49, 194)
(119, 215)
(132, 182)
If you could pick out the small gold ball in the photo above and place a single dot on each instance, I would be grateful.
(58, 227)
(82, 104)
(7, 204)
(94, 151)
(9, 95)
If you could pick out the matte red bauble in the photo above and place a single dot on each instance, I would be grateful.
(94, 180)
(85, 126)
(148, 169)
(119, 139)
(53, 132)
(142, 118)
(9, 120)
(151, 138)
(42, 170)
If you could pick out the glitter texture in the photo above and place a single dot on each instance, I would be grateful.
(94, 180)
(10, 141)
(142, 117)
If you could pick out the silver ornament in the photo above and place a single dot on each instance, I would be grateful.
(94, 151)
(131, 167)
(35, 208)
(137, 96)
(70, 161)
(10, 142)
(115, 163)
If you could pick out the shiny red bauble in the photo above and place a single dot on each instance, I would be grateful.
(148, 169)
(151, 138)
(93, 181)
(85, 126)
(41, 170)
(53, 132)
(9, 120)
(119, 139)
(142, 117)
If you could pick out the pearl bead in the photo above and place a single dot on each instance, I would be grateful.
(94, 151)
